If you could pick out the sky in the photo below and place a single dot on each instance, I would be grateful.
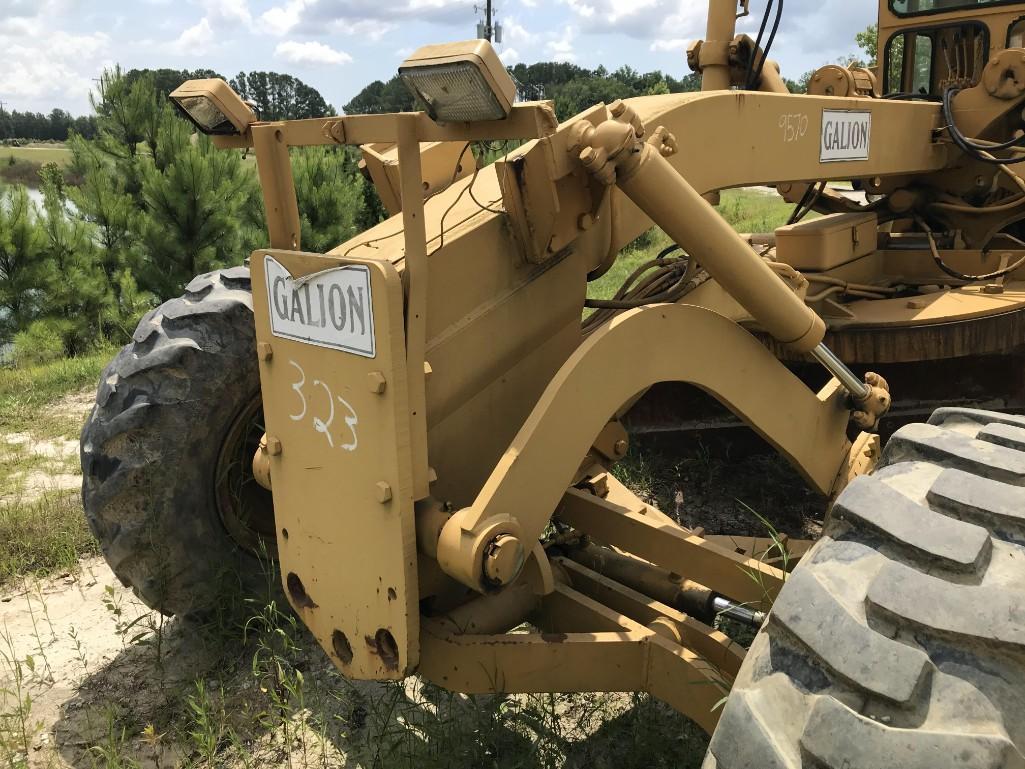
(53, 49)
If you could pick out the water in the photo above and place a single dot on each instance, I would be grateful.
(37, 197)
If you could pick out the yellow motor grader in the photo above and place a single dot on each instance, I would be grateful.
(419, 429)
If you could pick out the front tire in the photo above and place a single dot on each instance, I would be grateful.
(167, 486)
(899, 641)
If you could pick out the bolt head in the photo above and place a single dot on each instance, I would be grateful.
(376, 382)
(585, 221)
(273, 445)
(264, 351)
(619, 447)
(383, 492)
(503, 559)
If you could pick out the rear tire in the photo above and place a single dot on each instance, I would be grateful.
(166, 451)
(899, 641)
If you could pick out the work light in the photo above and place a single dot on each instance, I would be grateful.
(460, 82)
(213, 107)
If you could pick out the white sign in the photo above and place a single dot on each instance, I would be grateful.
(333, 308)
(846, 135)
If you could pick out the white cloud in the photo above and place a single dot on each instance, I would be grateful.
(50, 65)
(368, 29)
(670, 44)
(561, 48)
(644, 19)
(196, 40)
(233, 11)
(310, 52)
(282, 19)
(510, 56)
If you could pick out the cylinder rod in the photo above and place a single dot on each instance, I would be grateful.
(726, 608)
(844, 375)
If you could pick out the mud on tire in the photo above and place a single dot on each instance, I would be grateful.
(900, 640)
(154, 487)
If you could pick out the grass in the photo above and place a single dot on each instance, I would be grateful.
(40, 153)
(42, 533)
(28, 394)
(21, 165)
(746, 210)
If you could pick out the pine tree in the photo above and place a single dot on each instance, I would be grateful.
(329, 190)
(200, 209)
(77, 295)
(23, 266)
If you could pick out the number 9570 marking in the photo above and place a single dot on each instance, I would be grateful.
(324, 413)
(794, 126)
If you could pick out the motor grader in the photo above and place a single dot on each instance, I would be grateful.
(418, 429)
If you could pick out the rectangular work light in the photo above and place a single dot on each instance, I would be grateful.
(213, 107)
(460, 82)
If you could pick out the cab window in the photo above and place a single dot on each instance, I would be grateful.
(928, 60)
(922, 7)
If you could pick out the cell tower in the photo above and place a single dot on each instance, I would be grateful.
(488, 28)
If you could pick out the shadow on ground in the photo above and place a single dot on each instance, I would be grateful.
(186, 695)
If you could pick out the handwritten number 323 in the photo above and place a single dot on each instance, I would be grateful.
(322, 424)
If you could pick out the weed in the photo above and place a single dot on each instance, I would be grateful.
(17, 730)
(43, 535)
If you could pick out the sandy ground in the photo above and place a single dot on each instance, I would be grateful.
(57, 634)
(51, 457)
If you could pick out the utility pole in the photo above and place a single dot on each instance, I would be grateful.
(488, 29)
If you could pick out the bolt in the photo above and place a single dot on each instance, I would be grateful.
(264, 351)
(588, 155)
(993, 288)
(427, 371)
(619, 447)
(503, 559)
(432, 475)
(916, 304)
(585, 221)
(617, 108)
(383, 492)
(376, 382)
(273, 446)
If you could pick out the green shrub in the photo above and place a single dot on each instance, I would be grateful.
(41, 342)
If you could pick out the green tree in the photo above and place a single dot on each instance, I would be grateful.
(166, 80)
(200, 209)
(329, 190)
(868, 41)
(380, 97)
(127, 113)
(76, 295)
(280, 97)
(23, 265)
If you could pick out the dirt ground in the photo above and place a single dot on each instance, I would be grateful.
(91, 678)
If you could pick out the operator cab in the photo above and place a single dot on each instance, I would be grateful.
(927, 46)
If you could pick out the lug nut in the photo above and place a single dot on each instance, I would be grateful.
(503, 560)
